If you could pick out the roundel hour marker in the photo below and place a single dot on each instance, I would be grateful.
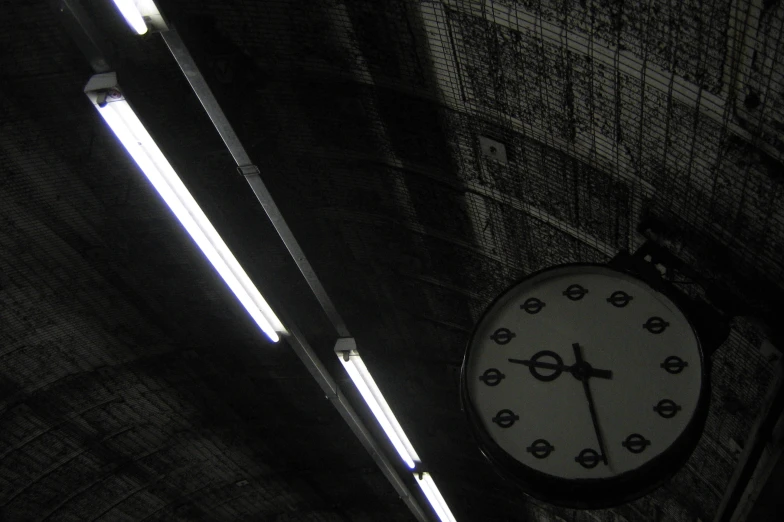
(666, 408)
(674, 364)
(575, 292)
(636, 443)
(532, 305)
(492, 377)
(588, 458)
(557, 365)
(656, 325)
(505, 418)
(502, 336)
(540, 449)
(619, 299)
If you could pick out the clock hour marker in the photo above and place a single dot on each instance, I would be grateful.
(636, 443)
(492, 377)
(619, 299)
(534, 366)
(502, 336)
(575, 292)
(505, 418)
(588, 458)
(540, 449)
(674, 364)
(656, 325)
(666, 408)
(532, 305)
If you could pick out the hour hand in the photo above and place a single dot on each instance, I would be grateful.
(591, 372)
(602, 374)
(537, 364)
(534, 364)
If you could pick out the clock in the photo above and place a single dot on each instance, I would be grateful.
(585, 385)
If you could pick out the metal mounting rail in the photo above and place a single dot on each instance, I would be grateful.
(251, 173)
(295, 338)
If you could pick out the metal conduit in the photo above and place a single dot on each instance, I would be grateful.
(295, 337)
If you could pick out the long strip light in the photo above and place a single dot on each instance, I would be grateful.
(141, 15)
(103, 92)
(428, 486)
(132, 15)
(140, 145)
(356, 369)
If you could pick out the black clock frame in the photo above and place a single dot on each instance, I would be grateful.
(602, 492)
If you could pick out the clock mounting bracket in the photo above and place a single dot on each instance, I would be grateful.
(656, 265)
(734, 287)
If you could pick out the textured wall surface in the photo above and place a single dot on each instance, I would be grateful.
(133, 388)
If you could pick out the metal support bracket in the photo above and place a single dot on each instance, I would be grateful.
(652, 263)
(248, 170)
(345, 344)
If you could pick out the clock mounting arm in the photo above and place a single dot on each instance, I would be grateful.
(656, 266)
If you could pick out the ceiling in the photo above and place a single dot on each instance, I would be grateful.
(133, 387)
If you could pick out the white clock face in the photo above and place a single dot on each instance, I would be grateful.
(575, 337)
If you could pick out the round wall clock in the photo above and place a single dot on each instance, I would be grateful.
(585, 385)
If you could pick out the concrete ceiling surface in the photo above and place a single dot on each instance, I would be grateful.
(132, 387)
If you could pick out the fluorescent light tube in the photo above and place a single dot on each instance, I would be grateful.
(112, 106)
(132, 15)
(142, 15)
(433, 495)
(364, 382)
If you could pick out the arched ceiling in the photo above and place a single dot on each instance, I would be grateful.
(132, 388)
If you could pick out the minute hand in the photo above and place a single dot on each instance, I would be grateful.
(593, 372)
(591, 405)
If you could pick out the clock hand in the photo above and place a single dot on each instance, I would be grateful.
(577, 354)
(595, 421)
(592, 372)
(591, 405)
(537, 364)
